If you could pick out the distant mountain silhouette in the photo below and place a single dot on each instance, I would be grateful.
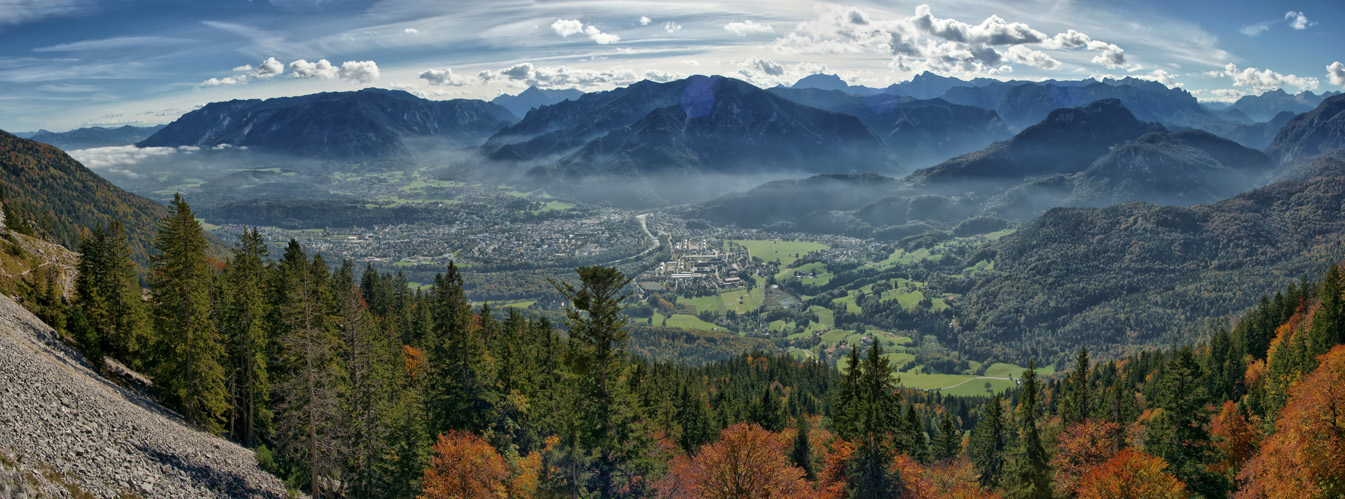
(1259, 135)
(369, 123)
(1067, 141)
(533, 98)
(1311, 133)
(920, 132)
(1265, 106)
(723, 125)
(84, 138)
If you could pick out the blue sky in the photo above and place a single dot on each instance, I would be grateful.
(72, 63)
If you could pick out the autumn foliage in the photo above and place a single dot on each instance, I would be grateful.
(1131, 473)
(955, 479)
(746, 462)
(464, 466)
(1082, 447)
(1305, 458)
(1235, 438)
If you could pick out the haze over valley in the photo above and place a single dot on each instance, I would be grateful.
(361, 248)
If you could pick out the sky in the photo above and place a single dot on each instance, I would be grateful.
(71, 63)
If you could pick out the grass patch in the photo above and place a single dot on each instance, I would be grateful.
(787, 252)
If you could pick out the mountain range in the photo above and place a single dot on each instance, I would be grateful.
(534, 97)
(369, 123)
(85, 138)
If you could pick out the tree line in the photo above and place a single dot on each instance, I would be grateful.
(363, 387)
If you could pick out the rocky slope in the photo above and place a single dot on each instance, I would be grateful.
(1311, 133)
(67, 432)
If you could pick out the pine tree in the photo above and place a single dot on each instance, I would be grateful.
(368, 365)
(1077, 405)
(768, 412)
(949, 443)
(107, 293)
(1179, 433)
(877, 407)
(988, 443)
(1028, 471)
(460, 383)
(190, 351)
(802, 453)
(245, 321)
(311, 378)
(1328, 323)
(611, 427)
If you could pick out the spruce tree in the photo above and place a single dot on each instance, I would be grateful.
(245, 322)
(461, 391)
(1077, 405)
(1179, 433)
(988, 443)
(190, 351)
(768, 412)
(107, 293)
(1028, 472)
(1328, 323)
(876, 405)
(802, 452)
(610, 425)
(310, 375)
(368, 362)
(949, 443)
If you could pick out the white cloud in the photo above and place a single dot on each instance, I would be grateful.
(567, 27)
(526, 74)
(411, 31)
(925, 42)
(1254, 29)
(268, 68)
(361, 71)
(767, 66)
(1161, 76)
(442, 77)
(1336, 73)
(672, 27)
(321, 69)
(23, 11)
(1297, 20)
(118, 159)
(645, 20)
(748, 27)
(992, 31)
(1037, 58)
(1264, 80)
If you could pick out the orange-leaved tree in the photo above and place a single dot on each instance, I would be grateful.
(464, 466)
(1235, 437)
(1131, 473)
(953, 479)
(746, 462)
(1082, 447)
(1305, 458)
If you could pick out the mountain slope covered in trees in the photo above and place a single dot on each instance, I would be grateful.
(62, 198)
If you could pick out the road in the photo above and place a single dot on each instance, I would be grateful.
(970, 380)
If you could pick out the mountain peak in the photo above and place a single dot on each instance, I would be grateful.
(822, 81)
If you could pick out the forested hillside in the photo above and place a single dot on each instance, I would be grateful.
(62, 198)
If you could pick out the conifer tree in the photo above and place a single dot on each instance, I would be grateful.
(1077, 405)
(190, 350)
(802, 453)
(107, 293)
(246, 310)
(988, 443)
(460, 383)
(308, 389)
(369, 365)
(1328, 323)
(877, 407)
(768, 412)
(1028, 471)
(949, 443)
(611, 427)
(1179, 433)
(912, 438)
